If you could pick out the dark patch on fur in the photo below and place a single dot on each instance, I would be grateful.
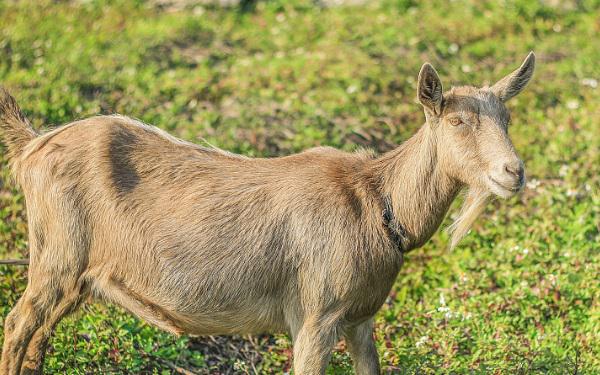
(81, 226)
(9, 324)
(279, 236)
(396, 231)
(343, 177)
(40, 238)
(277, 243)
(123, 170)
(354, 202)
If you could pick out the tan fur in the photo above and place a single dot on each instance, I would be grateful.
(197, 240)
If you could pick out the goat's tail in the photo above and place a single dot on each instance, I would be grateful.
(15, 130)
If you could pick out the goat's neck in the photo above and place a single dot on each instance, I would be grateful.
(419, 190)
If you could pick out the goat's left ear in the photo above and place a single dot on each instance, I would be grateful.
(429, 89)
(516, 81)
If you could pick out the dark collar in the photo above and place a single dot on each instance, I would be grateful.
(396, 230)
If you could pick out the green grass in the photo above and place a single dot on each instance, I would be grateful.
(521, 292)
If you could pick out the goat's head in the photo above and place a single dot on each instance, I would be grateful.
(471, 128)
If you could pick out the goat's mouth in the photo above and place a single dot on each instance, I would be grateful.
(504, 190)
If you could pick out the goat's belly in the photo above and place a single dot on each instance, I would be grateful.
(241, 309)
(203, 315)
(262, 317)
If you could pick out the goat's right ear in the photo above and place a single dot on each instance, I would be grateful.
(429, 89)
(515, 82)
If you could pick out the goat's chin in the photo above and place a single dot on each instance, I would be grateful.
(501, 190)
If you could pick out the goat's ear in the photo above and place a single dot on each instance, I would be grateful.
(429, 89)
(516, 81)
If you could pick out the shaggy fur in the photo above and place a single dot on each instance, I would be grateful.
(201, 241)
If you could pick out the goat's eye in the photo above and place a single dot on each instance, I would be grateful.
(455, 121)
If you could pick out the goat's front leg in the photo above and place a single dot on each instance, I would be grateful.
(312, 346)
(361, 346)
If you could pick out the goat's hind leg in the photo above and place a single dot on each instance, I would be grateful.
(55, 288)
(59, 250)
(34, 357)
(46, 300)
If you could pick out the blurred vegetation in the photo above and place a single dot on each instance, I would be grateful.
(519, 295)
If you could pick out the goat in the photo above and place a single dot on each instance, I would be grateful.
(201, 241)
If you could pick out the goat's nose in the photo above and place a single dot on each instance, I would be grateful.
(515, 168)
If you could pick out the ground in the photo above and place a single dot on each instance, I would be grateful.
(519, 295)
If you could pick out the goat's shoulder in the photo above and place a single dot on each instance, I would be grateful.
(326, 168)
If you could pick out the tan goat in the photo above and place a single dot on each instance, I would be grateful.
(201, 241)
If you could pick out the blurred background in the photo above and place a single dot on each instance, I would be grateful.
(519, 295)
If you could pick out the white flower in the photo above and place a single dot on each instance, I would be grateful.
(533, 184)
(421, 341)
(198, 11)
(591, 82)
(572, 104)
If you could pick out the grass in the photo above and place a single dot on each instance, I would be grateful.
(519, 295)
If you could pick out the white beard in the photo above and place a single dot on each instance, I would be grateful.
(473, 205)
